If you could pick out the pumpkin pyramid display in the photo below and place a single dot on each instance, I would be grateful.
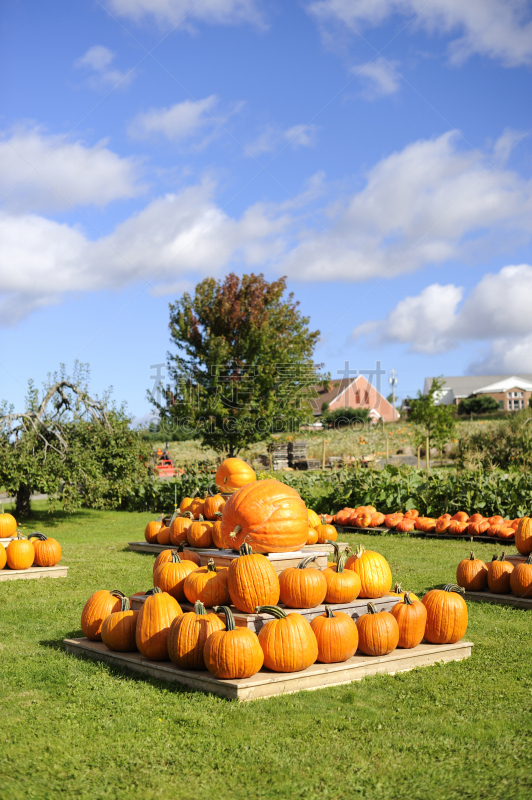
(268, 515)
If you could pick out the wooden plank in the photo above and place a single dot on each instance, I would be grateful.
(256, 621)
(5, 542)
(499, 599)
(516, 558)
(59, 571)
(269, 684)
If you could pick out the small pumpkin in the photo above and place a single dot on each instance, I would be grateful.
(505, 532)
(343, 585)
(170, 576)
(301, 586)
(446, 615)
(478, 527)
(313, 519)
(373, 570)
(362, 520)
(425, 524)
(336, 634)
(8, 524)
(209, 585)
(178, 529)
(118, 629)
(233, 474)
(499, 571)
(312, 536)
(47, 550)
(288, 642)
(391, 520)
(212, 506)
(496, 520)
(460, 516)
(476, 518)
(521, 578)
(494, 529)
(411, 618)
(343, 516)
(185, 504)
(442, 525)
(151, 530)
(377, 520)
(197, 507)
(252, 581)
(234, 652)
(20, 553)
(326, 532)
(523, 536)
(413, 513)
(378, 632)
(199, 534)
(163, 535)
(188, 634)
(472, 574)
(97, 609)
(153, 624)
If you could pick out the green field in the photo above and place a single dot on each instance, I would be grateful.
(76, 729)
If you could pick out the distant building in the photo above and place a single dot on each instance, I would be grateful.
(354, 393)
(512, 392)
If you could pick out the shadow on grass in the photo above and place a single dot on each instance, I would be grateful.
(53, 518)
(57, 644)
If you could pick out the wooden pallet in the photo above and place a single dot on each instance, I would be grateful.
(59, 571)
(516, 558)
(499, 599)
(256, 621)
(422, 534)
(269, 684)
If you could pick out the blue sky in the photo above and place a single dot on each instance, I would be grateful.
(377, 153)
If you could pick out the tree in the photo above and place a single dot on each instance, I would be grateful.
(69, 445)
(341, 417)
(481, 404)
(243, 367)
(438, 422)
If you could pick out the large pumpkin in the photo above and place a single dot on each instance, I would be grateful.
(252, 581)
(47, 550)
(336, 634)
(234, 652)
(96, 610)
(523, 536)
(288, 642)
(233, 474)
(378, 632)
(118, 629)
(8, 524)
(268, 515)
(472, 574)
(411, 618)
(301, 586)
(521, 579)
(153, 624)
(188, 634)
(20, 553)
(373, 570)
(446, 615)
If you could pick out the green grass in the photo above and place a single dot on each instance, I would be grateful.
(72, 728)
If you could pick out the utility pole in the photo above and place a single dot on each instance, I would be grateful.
(393, 380)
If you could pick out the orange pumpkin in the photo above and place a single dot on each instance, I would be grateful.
(47, 550)
(196, 507)
(460, 516)
(425, 524)
(378, 632)
(188, 634)
(170, 576)
(475, 518)
(252, 581)
(343, 516)
(151, 530)
(199, 534)
(208, 584)
(179, 528)
(442, 525)
(505, 533)
(343, 585)
(20, 553)
(268, 515)
(456, 527)
(477, 528)
(411, 618)
(302, 587)
(288, 642)
(153, 624)
(412, 514)
(405, 525)
(3, 556)
(336, 634)
(163, 535)
(216, 532)
(119, 628)
(377, 520)
(521, 578)
(96, 610)
(391, 520)
(233, 652)
(326, 532)
(312, 536)
(398, 592)
(446, 615)
(213, 505)
(188, 555)
(499, 571)
(8, 524)
(373, 570)
(185, 504)
(472, 574)
(523, 536)
(233, 474)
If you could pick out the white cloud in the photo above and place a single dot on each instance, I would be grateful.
(98, 59)
(184, 12)
(44, 172)
(178, 122)
(273, 138)
(380, 77)
(499, 29)
(496, 311)
(426, 204)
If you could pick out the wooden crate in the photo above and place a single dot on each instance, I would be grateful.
(269, 684)
(59, 571)
(499, 599)
(256, 621)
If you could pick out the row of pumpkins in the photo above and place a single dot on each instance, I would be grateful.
(289, 643)
(498, 576)
(459, 523)
(37, 550)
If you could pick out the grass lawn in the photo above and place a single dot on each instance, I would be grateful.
(72, 728)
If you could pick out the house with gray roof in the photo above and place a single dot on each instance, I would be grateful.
(512, 392)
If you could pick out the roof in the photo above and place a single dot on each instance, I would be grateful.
(337, 387)
(464, 385)
(508, 383)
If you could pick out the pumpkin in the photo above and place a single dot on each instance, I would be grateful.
(233, 652)
(472, 574)
(196, 507)
(170, 576)
(313, 519)
(391, 520)
(47, 550)
(8, 524)
(505, 532)
(499, 571)
(343, 585)
(312, 536)
(118, 629)
(373, 570)
(523, 536)
(326, 532)
(216, 533)
(151, 530)
(496, 520)
(153, 624)
(327, 519)
(521, 578)
(288, 642)
(163, 535)
(405, 525)
(212, 506)
(475, 518)
(188, 555)
(460, 516)
(477, 528)
(343, 516)
(178, 529)
(425, 524)
(411, 617)
(376, 520)
(362, 520)
(20, 553)
(199, 534)
(3, 556)
(442, 525)
(378, 632)
(208, 584)
(301, 587)
(252, 581)
(398, 592)
(514, 523)
(233, 474)
(185, 504)
(446, 615)
(336, 634)
(96, 609)
(163, 558)
(413, 513)
(269, 515)
(494, 529)
(188, 634)
(456, 527)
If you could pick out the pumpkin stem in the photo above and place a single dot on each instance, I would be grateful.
(359, 551)
(502, 556)
(275, 611)
(306, 561)
(340, 563)
(336, 549)
(407, 600)
(472, 556)
(372, 609)
(200, 519)
(188, 514)
(199, 608)
(323, 520)
(125, 604)
(218, 514)
(245, 549)
(229, 619)
(154, 590)
(452, 587)
(329, 613)
(495, 557)
(529, 559)
(175, 557)
(40, 536)
(211, 566)
(398, 589)
(117, 593)
(236, 531)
